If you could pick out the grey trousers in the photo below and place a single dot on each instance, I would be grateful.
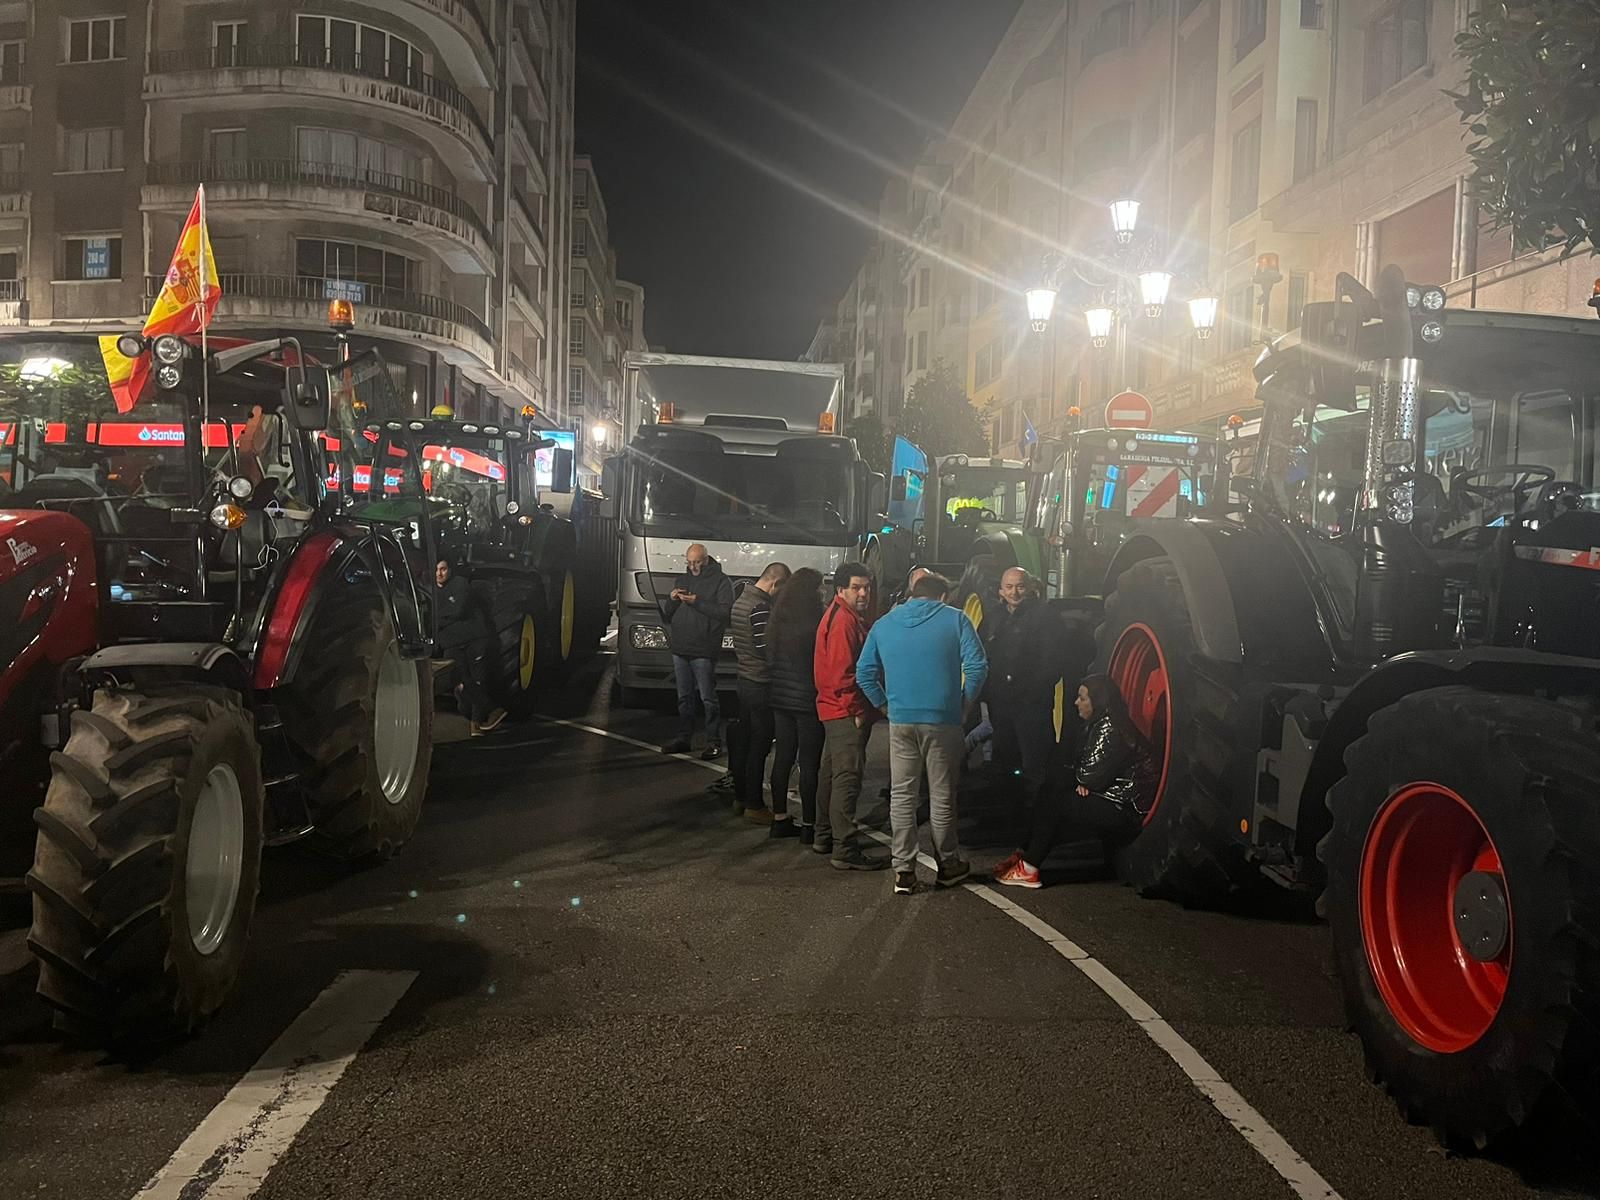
(938, 749)
(844, 756)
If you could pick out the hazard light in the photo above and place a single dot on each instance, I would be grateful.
(1594, 298)
(341, 316)
(825, 423)
(667, 415)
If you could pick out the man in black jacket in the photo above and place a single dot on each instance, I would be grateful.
(750, 738)
(697, 615)
(1027, 652)
(464, 637)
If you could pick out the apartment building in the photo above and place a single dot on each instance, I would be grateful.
(413, 157)
(1271, 144)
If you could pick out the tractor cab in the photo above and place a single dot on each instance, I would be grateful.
(1484, 488)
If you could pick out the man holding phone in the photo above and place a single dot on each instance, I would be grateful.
(697, 614)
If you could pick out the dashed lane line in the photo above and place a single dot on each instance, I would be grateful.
(229, 1154)
(1256, 1130)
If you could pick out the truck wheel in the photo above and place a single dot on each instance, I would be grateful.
(1184, 850)
(147, 863)
(1464, 899)
(364, 716)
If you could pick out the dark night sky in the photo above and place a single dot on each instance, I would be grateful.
(672, 98)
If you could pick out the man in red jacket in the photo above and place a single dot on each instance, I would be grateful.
(847, 719)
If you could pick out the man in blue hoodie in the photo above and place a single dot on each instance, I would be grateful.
(923, 662)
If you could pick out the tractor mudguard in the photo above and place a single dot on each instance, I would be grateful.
(1205, 585)
(200, 659)
(1488, 668)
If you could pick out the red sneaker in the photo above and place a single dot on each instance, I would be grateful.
(1006, 863)
(1018, 874)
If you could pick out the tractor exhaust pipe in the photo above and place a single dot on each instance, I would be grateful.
(1399, 592)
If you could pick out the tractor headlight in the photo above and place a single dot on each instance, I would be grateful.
(227, 516)
(130, 345)
(1432, 299)
(168, 376)
(169, 349)
(1432, 331)
(1413, 296)
(512, 508)
(240, 488)
(647, 637)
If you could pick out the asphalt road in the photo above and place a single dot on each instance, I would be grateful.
(620, 990)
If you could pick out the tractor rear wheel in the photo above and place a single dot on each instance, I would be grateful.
(1464, 899)
(147, 863)
(557, 632)
(1183, 851)
(364, 716)
(516, 613)
(978, 592)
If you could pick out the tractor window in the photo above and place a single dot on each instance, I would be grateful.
(1546, 433)
(470, 482)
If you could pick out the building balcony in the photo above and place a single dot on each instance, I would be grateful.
(460, 31)
(274, 187)
(523, 380)
(533, 231)
(1207, 394)
(286, 75)
(16, 93)
(13, 302)
(14, 195)
(528, 304)
(249, 301)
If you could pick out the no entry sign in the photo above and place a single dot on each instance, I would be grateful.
(1129, 410)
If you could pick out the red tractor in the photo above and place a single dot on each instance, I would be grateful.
(1380, 685)
(207, 650)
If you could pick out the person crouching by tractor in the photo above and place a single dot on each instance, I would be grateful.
(464, 638)
(1106, 798)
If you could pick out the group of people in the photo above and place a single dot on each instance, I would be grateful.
(818, 670)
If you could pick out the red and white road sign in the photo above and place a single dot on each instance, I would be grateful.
(1152, 491)
(1129, 410)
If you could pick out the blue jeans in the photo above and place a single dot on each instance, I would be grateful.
(697, 676)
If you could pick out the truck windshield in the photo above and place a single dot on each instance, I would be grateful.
(698, 493)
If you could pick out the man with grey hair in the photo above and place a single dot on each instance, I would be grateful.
(1025, 642)
(750, 740)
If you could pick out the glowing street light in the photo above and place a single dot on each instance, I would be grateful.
(1203, 313)
(1124, 219)
(1100, 321)
(1041, 300)
(1153, 287)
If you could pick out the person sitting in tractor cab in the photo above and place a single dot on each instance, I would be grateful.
(1109, 793)
(464, 638)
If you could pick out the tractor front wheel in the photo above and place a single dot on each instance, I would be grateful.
(147, 863)
(363, 714)
(1464, 899)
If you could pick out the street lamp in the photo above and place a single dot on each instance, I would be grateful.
(1124, 220)
(1203, 314)
(1100, 320)
(597, 433)
(1041, 300)
(1153, 287)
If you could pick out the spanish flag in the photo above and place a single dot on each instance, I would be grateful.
(127, 376)
(190, 293)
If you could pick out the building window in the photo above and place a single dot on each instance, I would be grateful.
(1305, 138)
(922, 350)
(580, 191)
(227, 43)
(580, 289)
(97, 39)
(225, 146)
(91, 149)
(924, 287)
(1419, 239)
(1244, 182)
(625, 313)
(1239, 321)
(1111, 31)
(575, 387)
(580, 241)
(317, 258)
(352, 46)
(1252, 27)
(1310, 14)
(90, 257)
(1397, 45)
(10, 166)
(353, 156)
(575, 335)
(1299, 283)
(12, 56)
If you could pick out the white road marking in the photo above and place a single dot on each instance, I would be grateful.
(228, 1155)
(1235, 1109)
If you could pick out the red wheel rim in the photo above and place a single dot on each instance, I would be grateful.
(1423, 840)
(1139, 670)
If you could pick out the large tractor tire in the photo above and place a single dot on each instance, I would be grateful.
(1184, 850)
(515, 611)
(978, 591)
(558, 629)
(1464, 899)
(364, 716)
(147, 863)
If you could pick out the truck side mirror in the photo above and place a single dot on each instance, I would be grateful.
(561, 470)
(877, 494)
(897, 488)
(610, 488)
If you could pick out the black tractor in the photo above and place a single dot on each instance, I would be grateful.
(1378, 686)
(221, 644)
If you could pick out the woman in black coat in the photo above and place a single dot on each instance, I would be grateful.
(792, 695)
(1110, 791)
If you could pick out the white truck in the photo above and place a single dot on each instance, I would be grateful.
(742, 456)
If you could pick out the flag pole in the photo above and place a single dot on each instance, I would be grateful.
(205, 364)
